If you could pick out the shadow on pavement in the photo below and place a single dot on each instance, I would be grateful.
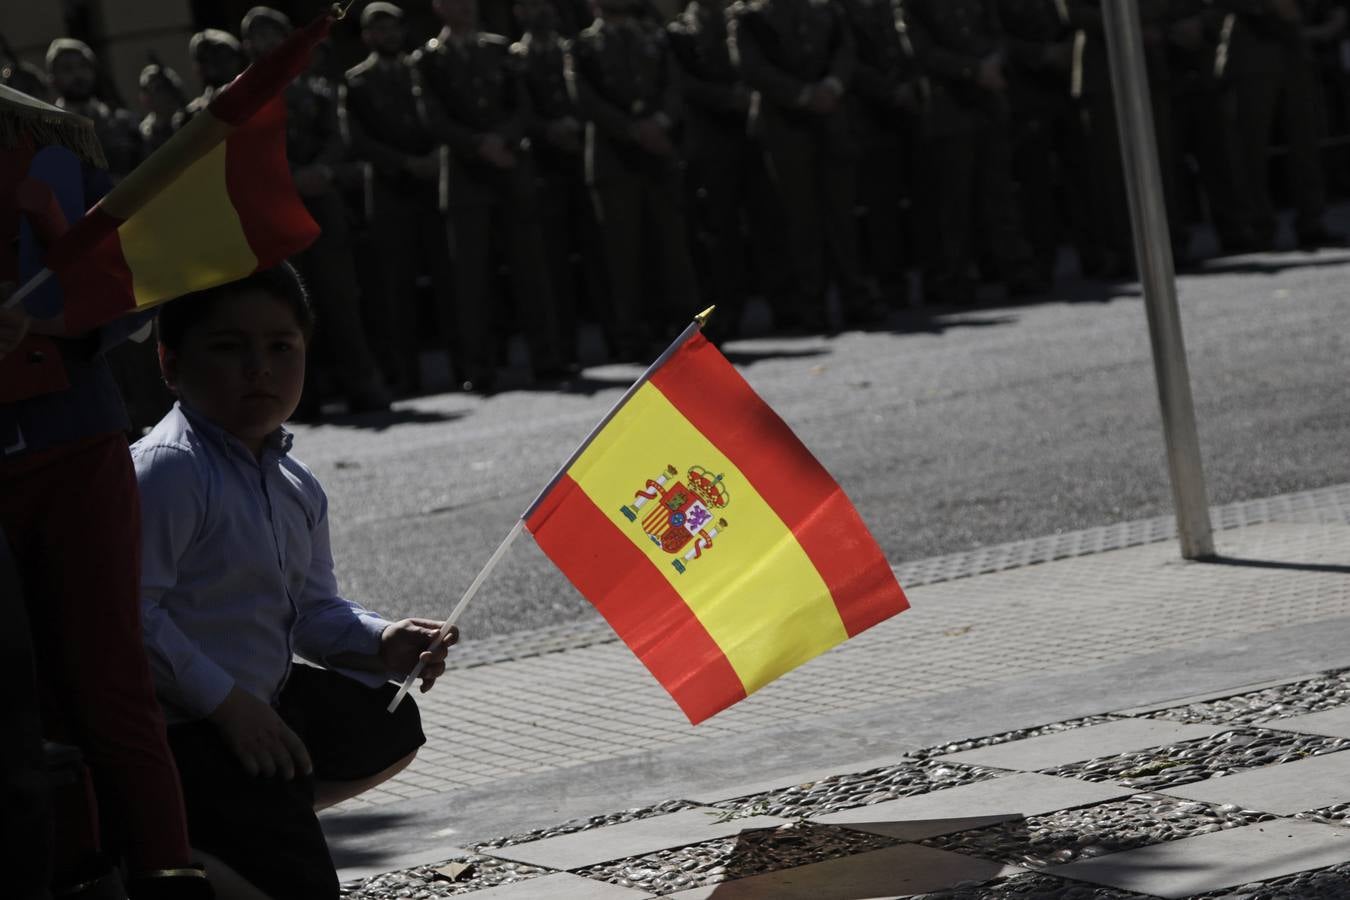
(1275, 564)
(354, 838)
(578, 384)
(380, 421)
(1264, 266)
(939, 320)
(750, 357)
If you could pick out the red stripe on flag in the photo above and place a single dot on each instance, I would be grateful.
(636, 600)
(82, 238)
(98, 287)
(716, 400)
(258, 179)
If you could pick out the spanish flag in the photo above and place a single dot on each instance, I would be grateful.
(709, 537)
(214, 204)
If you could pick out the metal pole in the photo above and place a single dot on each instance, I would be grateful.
(1153, 251)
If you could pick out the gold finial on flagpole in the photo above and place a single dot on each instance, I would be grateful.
(339, 10)
(702, 318)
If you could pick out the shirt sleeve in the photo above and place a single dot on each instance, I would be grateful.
(173, 506)
(329, 624)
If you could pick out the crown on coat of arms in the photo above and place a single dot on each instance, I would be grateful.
(708, 487)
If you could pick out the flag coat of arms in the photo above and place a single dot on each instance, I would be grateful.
(709, 537)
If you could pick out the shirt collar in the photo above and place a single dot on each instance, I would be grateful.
(278, 442)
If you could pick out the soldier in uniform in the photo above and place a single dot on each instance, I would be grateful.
(218, 58)
(1199, 35)
(479, 108)
(556, 133)
(314, 149)
(623, 75)
(1273, 72)
(1108, 173)
(385, 125)
(883, 104)
(730, 195)
(967, 157)
(162, 95)
(1049, 142)
(799, 56)
(73, 70)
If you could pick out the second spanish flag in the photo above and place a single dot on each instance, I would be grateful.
(711, 539)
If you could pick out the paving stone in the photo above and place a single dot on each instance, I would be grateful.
(554, 887)
(1331, 721)
(1218, 860)
(973, 806)
(1078, 744)
(901, 871)
(597, 845)
(1306, 784)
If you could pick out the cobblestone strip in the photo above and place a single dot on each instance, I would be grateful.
(1318, 694)
(1037, 841)
(1160, 768)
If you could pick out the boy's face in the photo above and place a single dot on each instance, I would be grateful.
(243, 367)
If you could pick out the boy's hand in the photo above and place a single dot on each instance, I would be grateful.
(264, 743)
(405, 642)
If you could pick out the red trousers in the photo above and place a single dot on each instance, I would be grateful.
(71, 515)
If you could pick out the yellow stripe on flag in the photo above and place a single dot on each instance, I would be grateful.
(755, 590)
(188, 237)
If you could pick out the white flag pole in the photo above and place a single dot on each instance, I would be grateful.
(497, 554)
(29, 286)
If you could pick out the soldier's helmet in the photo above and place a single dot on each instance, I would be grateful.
(68, 45)
(379, 8)
(212, 37)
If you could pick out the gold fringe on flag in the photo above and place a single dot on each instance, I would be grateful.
(47, 126)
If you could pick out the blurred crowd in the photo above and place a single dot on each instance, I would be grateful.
(840, 159)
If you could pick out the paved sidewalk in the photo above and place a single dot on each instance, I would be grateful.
(1050, 652)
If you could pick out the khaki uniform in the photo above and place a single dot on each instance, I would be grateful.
(473, 87)
(407, 236)
(783, 48)
(620, 76)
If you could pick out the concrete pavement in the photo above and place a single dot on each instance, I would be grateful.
(1049, 685)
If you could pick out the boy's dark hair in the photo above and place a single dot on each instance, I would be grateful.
(282, 282)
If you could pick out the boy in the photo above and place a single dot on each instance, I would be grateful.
(237, 575)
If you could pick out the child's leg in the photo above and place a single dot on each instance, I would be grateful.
(354, 742)
(331, 793)
(263, 829)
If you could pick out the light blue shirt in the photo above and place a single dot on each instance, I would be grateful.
(236, 567)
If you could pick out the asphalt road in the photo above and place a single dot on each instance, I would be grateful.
(948, 432)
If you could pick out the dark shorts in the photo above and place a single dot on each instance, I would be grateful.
(265, 828)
